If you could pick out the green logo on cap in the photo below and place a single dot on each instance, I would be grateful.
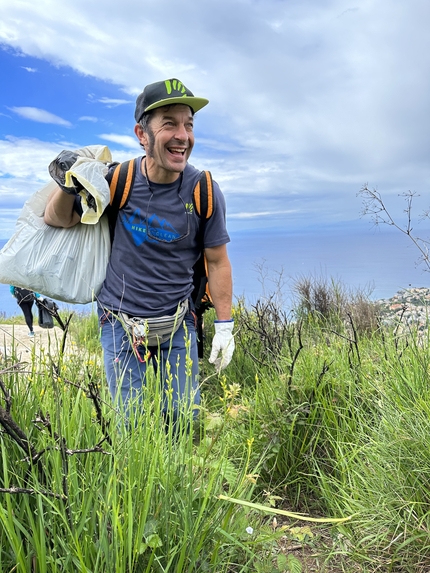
(175, 85)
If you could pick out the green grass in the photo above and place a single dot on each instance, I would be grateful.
(334, 425)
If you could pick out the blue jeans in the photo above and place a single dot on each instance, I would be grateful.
(176, 361)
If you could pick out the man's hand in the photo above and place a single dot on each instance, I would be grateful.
(222, 344)
(58, 169)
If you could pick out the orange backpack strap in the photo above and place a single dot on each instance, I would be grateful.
(120, 183)
(120, 178)
(204, 197)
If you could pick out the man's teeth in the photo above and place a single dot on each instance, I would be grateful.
(177, 150)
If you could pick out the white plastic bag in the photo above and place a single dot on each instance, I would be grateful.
(90, 170)
(65, 264)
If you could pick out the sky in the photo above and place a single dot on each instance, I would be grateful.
(309, 99)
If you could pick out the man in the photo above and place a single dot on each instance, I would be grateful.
(156, 244)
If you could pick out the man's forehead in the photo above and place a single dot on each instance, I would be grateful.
(167, 111)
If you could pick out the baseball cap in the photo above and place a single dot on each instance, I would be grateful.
(166, 92)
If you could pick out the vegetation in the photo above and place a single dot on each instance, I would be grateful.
(310, 453)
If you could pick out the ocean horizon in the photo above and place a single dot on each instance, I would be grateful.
(378, 262)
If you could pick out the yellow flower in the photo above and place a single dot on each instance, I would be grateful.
(235, 410)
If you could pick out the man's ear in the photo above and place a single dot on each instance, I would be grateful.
(140, 134)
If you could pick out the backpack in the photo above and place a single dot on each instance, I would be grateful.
(23, 295)
(121, 180)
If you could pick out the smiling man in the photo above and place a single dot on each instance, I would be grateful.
(157, 241)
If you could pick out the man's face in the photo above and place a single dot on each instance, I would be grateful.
(168, 141)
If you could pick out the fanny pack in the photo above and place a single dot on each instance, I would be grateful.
(154, 331)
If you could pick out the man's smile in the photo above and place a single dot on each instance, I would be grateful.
(176, 150)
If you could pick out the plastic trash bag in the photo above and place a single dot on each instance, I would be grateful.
(89, 171)
(83, 172)
(65, 264)
(59, 167)
(46, 310)
(46, 306)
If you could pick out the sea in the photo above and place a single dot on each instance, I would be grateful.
(376, 261)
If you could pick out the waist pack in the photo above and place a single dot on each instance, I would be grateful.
(154, 331)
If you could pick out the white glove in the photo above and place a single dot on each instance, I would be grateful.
(223, 342)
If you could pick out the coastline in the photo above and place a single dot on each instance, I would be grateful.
(409, 306)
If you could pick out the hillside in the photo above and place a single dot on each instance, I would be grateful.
(411, 305)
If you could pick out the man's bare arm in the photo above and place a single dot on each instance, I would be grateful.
(59, 210)
(220, 280)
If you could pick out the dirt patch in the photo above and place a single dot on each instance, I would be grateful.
(14, 341)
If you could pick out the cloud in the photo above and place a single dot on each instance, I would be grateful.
(40, 115)
(88, 118)
(21, 177)
(256, 214)
(348, 11)
(124, 140)
(17, 169)
(308, 100)
(32, 70)
(110, 102)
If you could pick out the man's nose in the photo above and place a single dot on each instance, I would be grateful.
(181, 133)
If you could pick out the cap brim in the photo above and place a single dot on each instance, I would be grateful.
(195, 103)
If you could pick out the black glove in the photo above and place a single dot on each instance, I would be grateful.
(58, 169)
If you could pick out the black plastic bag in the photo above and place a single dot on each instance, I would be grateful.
(58, 168)
(47, 309)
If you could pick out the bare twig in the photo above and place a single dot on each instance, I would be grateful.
(269, 324)
(374, 206)
(355, 340)
(16, 433)
(12, 429)
(65, 328)
(296, 355)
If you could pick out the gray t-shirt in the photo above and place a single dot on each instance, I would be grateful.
(156, 245)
